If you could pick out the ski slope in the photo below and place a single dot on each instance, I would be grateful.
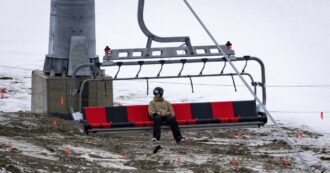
(290, 37)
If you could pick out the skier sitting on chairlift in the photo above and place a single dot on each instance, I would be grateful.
(161, 110)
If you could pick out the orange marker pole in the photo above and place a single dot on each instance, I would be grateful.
(301, 136)
(238, 135)
(233, 162)
(322, 115)
(62, 100)
(2, 93)
(178, 160)
(55, 122)
(286, 162)
(9, 144)
(68, 152)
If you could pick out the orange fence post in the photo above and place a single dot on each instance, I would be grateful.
(68, 151)
(62, 100)
(9, 144)
(2, 93)
(322, 115)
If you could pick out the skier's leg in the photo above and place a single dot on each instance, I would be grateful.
(174, 126)
(157, 127)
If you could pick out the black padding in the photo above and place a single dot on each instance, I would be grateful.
(116, 114)
(83, 113)
(207, 121)
(245, 108)
(201, 110)
(114, 125)
(250, 119)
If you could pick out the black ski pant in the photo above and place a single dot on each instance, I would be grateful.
(171, 121)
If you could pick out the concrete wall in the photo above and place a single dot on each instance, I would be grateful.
(51, 95)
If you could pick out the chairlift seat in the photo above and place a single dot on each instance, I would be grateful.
(188, 115)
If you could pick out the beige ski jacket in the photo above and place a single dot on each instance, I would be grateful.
(160, 106)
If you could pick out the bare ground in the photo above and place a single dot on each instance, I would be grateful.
(39, 143)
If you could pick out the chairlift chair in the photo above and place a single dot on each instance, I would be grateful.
(134, 118)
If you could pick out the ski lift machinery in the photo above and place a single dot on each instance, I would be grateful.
(207, 115)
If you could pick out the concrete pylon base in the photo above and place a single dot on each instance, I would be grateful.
(50, 95)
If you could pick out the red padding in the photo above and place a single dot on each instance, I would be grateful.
(182, 111)
(235, 119)
(228, 120)
(137, 113)
(95, 125)
(183, 122)
(145, 123)
(192, 121)
(100, 125)
(95, 115)
(222, 110)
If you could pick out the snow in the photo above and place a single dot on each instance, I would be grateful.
(29, 149)
(182, 170)
(101, 157)
(248, 142)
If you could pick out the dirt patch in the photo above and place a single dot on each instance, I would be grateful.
(325, 158)
(6, 78)
(38, 144)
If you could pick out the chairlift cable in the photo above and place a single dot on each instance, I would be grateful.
(234, 84)
(20, 68)
(204, 84)
(249, 88)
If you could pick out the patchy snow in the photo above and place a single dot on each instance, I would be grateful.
(196, 159)
(259, 149)
(183, 170)
(248, 142)
(28, 149)
(100, 157)
(290, 37)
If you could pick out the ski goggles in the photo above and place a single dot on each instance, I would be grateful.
(156, 92)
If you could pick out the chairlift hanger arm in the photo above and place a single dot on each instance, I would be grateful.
(73, 90)
(153, 37)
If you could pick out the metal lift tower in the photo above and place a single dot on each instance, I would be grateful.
(71, 44)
